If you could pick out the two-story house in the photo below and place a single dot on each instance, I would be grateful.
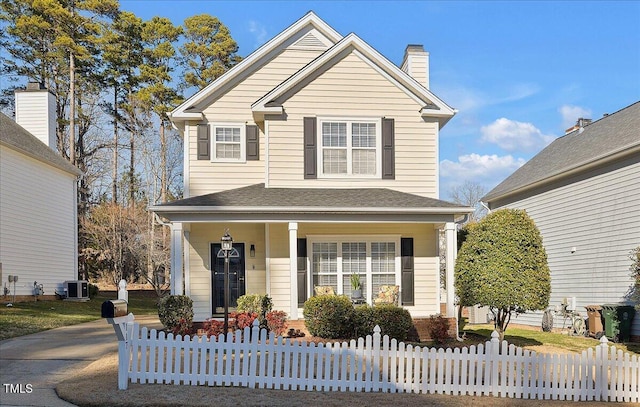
(321, 158)
(583, 192)
(38, 199)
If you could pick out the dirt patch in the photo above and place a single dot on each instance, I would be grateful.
(97, 385)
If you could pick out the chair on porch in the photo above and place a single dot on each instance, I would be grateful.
(324, 290)
(387, 294)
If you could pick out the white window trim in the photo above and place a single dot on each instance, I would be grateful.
(349, 120)
(339, 239)
(243, 142)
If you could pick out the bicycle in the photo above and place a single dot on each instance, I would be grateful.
(575, 326)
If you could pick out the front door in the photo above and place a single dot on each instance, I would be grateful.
(236, 278)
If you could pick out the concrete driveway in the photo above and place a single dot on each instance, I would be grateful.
(32, 365)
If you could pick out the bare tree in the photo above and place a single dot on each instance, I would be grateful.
(469, 193)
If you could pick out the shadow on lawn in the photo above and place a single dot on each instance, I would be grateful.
(478, 336)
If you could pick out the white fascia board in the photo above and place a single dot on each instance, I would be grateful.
(185, 116)
(309, 18)
(401, 78)
(306, 209)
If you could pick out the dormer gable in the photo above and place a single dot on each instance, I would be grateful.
(430, 104)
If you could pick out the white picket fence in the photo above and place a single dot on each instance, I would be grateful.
(377, 364)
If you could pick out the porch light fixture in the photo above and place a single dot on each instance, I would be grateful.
(227, 251)
(252, 250)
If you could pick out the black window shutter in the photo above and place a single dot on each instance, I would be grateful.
(204, 142)
(253, 143)
(302, 271)
(406, 251)
(310, 148)
(388, 149)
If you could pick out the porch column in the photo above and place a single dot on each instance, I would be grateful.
(176, 258)
(293, 269)
(452, 248)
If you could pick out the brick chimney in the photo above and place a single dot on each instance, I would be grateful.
(416, 63)
(36, 112)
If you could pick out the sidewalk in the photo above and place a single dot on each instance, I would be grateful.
(31, 366)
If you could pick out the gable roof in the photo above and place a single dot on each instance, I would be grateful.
(431, 104)
(14, 136)
(192, 107)
(611, 137)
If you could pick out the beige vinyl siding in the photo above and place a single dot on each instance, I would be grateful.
(353, 89)
(599, 215)
(235, 107)
(37, 223)
(201, 236)
(427, 300)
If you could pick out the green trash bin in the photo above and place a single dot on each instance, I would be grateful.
(617, 321)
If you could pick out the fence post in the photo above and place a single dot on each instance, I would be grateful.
(493, 357)
(602, 373)
(123, 294)
(123, 327)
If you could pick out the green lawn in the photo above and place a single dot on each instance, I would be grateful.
(25, 318)
(528, 337)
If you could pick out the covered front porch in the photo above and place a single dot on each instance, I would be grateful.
(286, 252)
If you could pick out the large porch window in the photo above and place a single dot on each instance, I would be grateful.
(334, 259)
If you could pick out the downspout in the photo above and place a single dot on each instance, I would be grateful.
(485, 206)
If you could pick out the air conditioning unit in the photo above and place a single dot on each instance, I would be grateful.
(478, 314)
(77, 289)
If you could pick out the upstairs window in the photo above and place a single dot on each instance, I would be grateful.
(229, 143)
(349, 148)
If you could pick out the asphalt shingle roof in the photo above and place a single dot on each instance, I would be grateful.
(257, 196)
(609, 135)
(16, 137)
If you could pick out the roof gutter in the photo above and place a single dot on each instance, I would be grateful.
(305, 209)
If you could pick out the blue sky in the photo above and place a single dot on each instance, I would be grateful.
(519, 73)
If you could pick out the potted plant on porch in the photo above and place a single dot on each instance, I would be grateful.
(356, 286)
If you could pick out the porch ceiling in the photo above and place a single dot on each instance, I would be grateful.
(257, 203)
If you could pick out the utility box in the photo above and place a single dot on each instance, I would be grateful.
(617, 321)
(114, 308)
(77, 289)
(596, 329)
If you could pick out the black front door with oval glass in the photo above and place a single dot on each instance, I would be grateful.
(236, 278)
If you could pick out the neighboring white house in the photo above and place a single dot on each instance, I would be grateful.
(583, 192)
(321, 158)
(38, 211)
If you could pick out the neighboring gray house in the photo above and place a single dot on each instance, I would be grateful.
(38, 210)
(583, 192)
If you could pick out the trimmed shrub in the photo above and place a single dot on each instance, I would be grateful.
(329, 316)
(438, 328)
(363, 321)
(93, 290)
(176, 312)
(393, 320)
(260, 304)
(277, 322)
(241, 320)
(213, 327)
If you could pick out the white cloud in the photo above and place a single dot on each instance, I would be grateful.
(485, 170)
(511, 135)
(571, 114)
(259, 32)
(465, 99)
